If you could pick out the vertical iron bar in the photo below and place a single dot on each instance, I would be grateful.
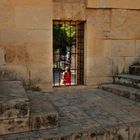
(54, 74)
(53, 58)
(59, 55)
(75, 57)
(80, 53)
(70, 48)
(64, 44)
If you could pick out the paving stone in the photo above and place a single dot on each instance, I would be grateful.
(97, 99)
(42, 114)
(119, 111)
(89, 114)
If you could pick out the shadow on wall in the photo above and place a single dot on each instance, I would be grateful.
(11, 74)
(116, 69)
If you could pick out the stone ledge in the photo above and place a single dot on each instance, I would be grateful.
(14, 125)
(42, 113)
(127, 92)
(127, 79)
(13, 100)
(14, 108)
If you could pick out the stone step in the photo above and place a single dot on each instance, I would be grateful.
(135, 70)
(89, 114)
(127, 79)
(43, 115)
(14, 108)
(128, 92)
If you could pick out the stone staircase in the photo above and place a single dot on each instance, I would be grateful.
(23, 112)
(126, 85)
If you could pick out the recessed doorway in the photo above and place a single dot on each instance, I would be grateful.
(68, 51)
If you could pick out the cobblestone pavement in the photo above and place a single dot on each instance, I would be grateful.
(89, 112)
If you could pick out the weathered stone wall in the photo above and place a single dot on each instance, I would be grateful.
(69, 9)
(112, 37)
(113, 41)
(126, 4)
(26, 40)
(112, 34)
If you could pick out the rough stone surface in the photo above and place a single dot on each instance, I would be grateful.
(125, 24)
(2, 56)
(128, 92)
(112, 37)
(13, 100)
(135, 69)
(126, 85)
(18, 72)
(6, 15)
(138, 48)
(42, 114)
(129, 61)
(71, 9)
(89, 114)
(123, 48)
(126, 79)
(22, 112)
(25, 26)
(14, 108)
(14, 125)
(32, 17)
(118, 64)
(111, 4)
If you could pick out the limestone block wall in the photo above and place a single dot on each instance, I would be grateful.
(126, 4)
(112, 37)
(112, 34)
(69, 9)
(26, 40)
